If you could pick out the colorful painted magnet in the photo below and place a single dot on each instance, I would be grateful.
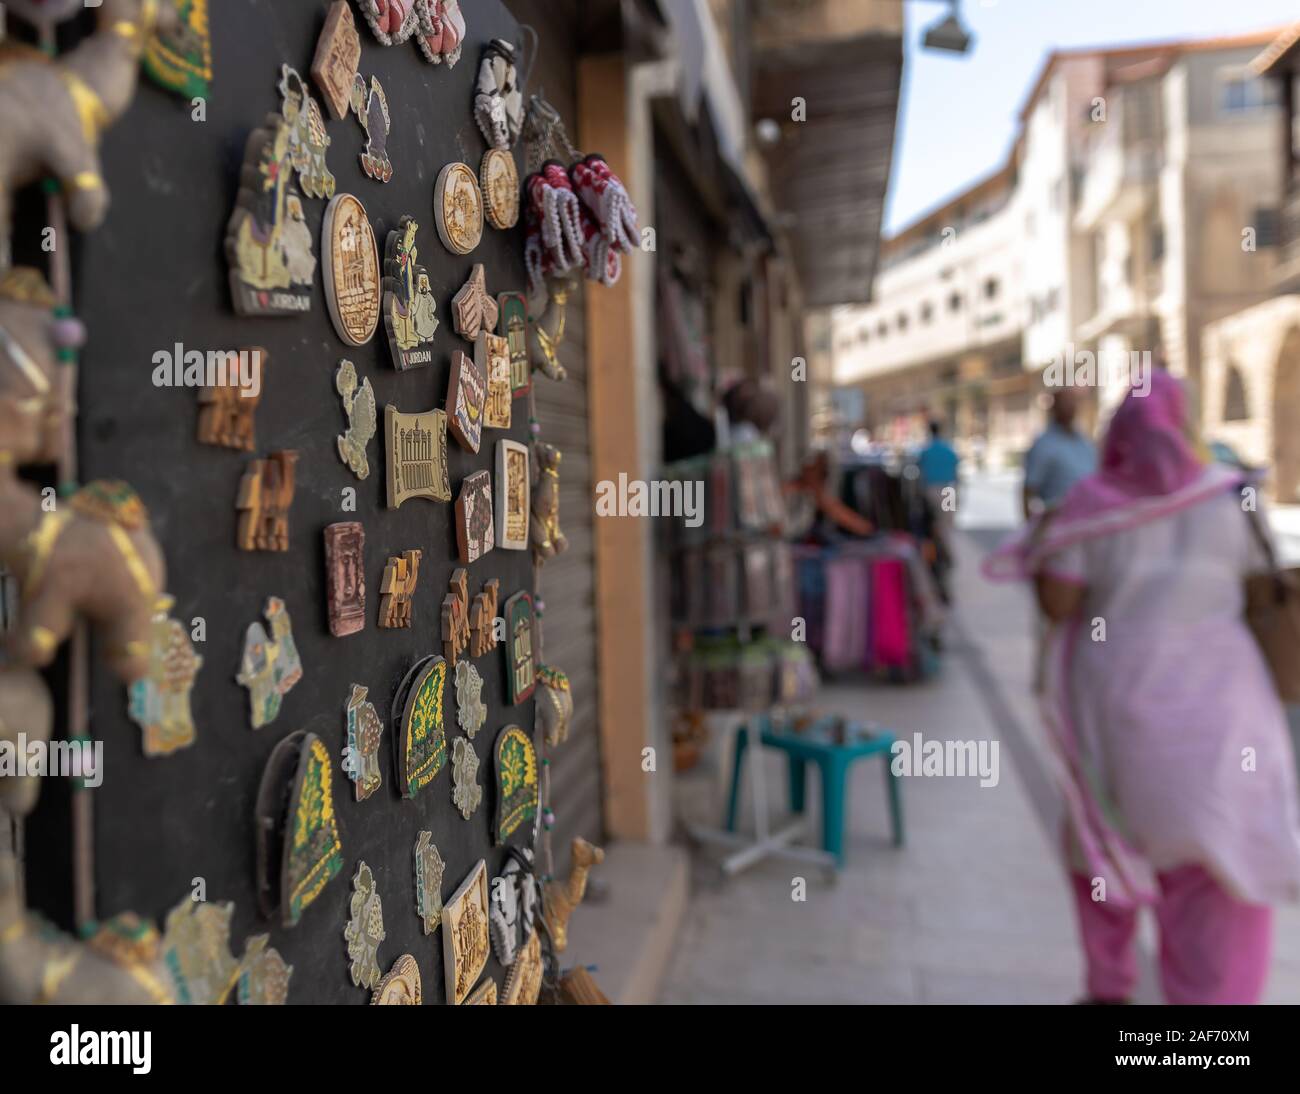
(472, 308)
(521, 658)
(429, 869)
(492, 355)
(345, 577)
(270, 666)
(471, 711)
(524, 983)
(371, 108)
(338, 52)
(466, 794)
(554, 705)
(350, 261)
(392, 21)
(365, 928)
(458, 208)
(466, 396)
(178, 55)
(419, 732)
(499, 184)
(455, 616)
(498, 96)
(416, 446)
(442, 31)
(268, 242)
(159, 702)
(517, 789)
(475, 534)
(361, 754)
(485, 995)
(483, 620)
(409, 305)
(298, 848)
(227, 410)
(196, 952)
(512, 911)
(465, 943)
(513, 495)
(308, 140)
(512, 324)
(400, 986)
(397, 589)
(263, 974)
(359, 406)
(265, 498)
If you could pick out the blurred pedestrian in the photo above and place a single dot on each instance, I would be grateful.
(1176, 764)
(1059, 457)
(938, 465)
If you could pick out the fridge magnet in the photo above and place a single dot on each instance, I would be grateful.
(359, 406)
(400, 986)
(455, 616)
(263, 974)
(371, 108)
(227, 412)
(429, 869)
(499, 185)
(196, 952)
(420, 738)
(458, 209)
(416, 445)
(338, 52)
(178, 55)
(397, 589)
(475, 535)
(365, 928)
(554, 705)
(492, 355)
(521, 667)
(442, 31)
(516, 775)
(268, 243)
(544, 530)
(350, 261)
(482, 620)
(512, 910)
(471, 712)
(498, 98)
(465, 943)
(270, 666)
(298, 849)
(159, 702)
(265, 497)
(563, 896)
(409, 305)
(393, 21)
(485, 995)
(512, 495)
(345, 577)
(466, 396)
(512, 324)
(308, 140)
(466, 794)
(524, 982)
(546, 333)
(472, 309)
(361, 755)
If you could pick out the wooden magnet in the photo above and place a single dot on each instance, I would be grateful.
(416, 445)
(485, 995)
(513, 495)
(345, 577)
(263, 974)
(544, 529)
(517, 788)
(178, 54)
(227, 410)
(298, 848)
(397, 589)
(512, 324)
(420, 736)
(268, 242)
(400, 986)
(465, 943)
(308, 140)
(350, 260)
(365, 928)
(471, 711)
(521, 659)
(371, 108)
(455, 616)
(361, 756)
(270, 666)
(492, 355)
(466, 794)
(159, 703)
(196, 952)
(472, 309)
(265, 497)
(563, 896)
(524, 983)
(338, 52)
(475, 534)
(429, 869)
(409, 305)
(359, 406)
(466, 396)
(499, 184)
(483, 620)
(458, 209)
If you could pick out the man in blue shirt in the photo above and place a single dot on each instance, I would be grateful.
(937, 464)
(1059, 458)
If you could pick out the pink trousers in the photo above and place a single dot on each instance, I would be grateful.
(1213, 948)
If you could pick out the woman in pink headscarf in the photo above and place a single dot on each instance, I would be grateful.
(1174, 755)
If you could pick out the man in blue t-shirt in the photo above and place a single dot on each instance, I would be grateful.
(1059, 458)
(937, 463)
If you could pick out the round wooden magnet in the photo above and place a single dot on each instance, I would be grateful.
(499, 179)
(458, 208)
(353, 279)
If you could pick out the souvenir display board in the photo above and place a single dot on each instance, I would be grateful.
(154, 280)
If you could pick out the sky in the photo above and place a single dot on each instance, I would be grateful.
(958, 115)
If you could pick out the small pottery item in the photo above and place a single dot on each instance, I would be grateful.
(345, 577)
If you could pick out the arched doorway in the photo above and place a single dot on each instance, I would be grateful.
(1286, 420)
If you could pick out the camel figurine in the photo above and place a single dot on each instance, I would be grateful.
(397, 589)
(544, 529)
(56, 110)
(265, 497)
(563, 896)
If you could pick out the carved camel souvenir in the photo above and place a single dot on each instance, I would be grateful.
(563, 896)
(544, 529)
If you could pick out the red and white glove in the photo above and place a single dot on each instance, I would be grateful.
(442, 30)
(603, 193)
(393, 21)
(558, 213)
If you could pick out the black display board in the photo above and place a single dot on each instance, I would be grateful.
(156, 275)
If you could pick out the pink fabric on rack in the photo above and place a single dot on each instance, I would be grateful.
(845, 643)
(891, 639)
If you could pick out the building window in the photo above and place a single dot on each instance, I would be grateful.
(1234, 396)
(881, 329)
(927, 312)
(1241, 91)
(862, 334)
(954, 302)
(1157, 242)
(1267, 227)
(902, 321)
(991, 288)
